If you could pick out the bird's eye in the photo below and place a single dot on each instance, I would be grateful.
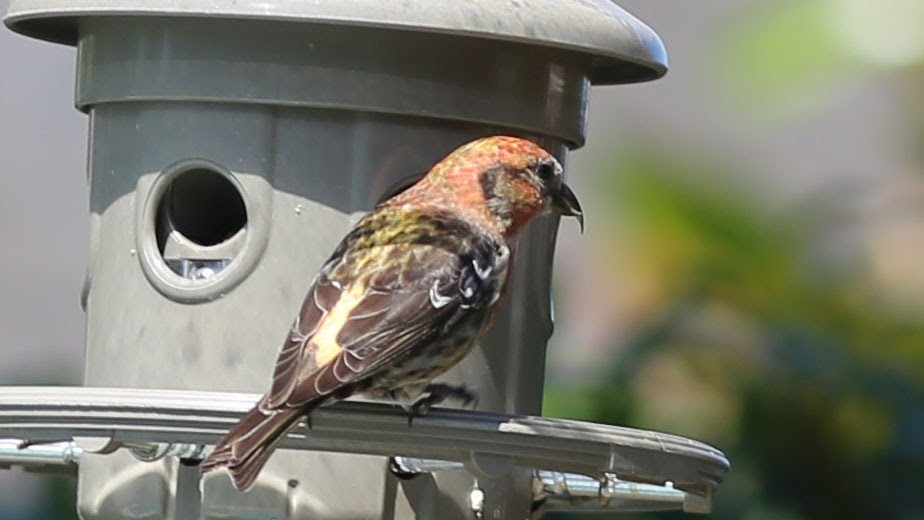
(545, 170)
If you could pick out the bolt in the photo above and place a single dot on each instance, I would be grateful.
(476, 501)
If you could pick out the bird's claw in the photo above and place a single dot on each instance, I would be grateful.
(420, 408)
(471, 400)
(436, 394)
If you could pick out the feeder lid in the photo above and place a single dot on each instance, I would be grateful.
(623, 49)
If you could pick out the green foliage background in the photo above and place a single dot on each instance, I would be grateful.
(757, 330)
(811, 388)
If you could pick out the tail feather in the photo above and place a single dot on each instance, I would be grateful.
(248, 446)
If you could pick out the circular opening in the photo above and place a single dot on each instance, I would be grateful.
(203, 206)
(198, 231)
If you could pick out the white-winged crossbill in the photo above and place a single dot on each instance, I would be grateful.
(406, 295)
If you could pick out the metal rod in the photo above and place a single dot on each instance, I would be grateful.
(566, 487)
(13, 452)
(415, 465)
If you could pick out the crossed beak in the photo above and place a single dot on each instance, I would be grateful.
(565, 203)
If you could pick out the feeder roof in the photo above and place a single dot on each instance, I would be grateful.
(623, 49)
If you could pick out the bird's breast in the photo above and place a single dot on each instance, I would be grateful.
(432, 359)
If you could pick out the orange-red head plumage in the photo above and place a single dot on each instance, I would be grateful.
(499, 182)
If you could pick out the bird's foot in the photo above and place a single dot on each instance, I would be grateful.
(436, 394)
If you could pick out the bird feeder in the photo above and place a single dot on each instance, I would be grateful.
(232, 144)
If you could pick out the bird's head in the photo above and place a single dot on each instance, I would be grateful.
(507, 181)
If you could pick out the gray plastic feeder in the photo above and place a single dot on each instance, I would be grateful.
(232, 144)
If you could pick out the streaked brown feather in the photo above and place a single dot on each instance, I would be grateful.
(292, 358)
(380, 327)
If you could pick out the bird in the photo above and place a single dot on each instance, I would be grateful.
(405, 295)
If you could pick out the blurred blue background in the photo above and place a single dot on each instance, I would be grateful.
(752, 274)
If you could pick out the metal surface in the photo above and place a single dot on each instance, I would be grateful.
(145, 418)
(573, 492)
(13, 452)
(622, 48)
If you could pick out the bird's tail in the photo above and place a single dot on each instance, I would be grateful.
(246, 448)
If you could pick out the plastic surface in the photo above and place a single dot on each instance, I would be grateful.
(623, 49)
(179, 60)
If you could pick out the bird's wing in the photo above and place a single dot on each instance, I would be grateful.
(377, 300)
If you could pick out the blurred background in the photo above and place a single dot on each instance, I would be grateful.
(752, 274)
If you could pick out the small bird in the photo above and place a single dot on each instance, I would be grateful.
(405, 296)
